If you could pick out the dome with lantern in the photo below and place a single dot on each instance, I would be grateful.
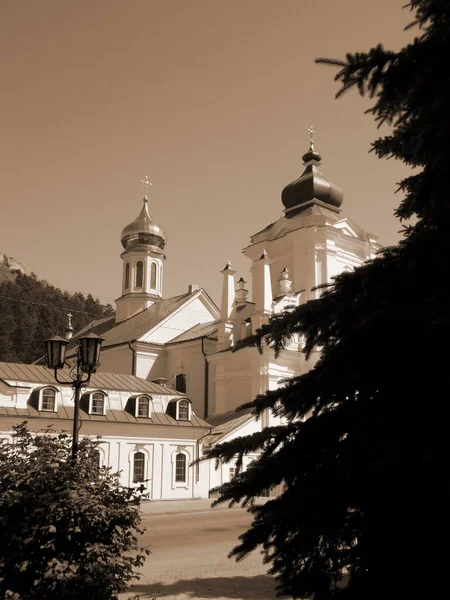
(311, 187)
(143, 231)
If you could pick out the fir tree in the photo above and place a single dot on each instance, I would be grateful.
(362, 458)
(32, 310)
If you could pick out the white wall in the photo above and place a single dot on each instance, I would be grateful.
(117, 450)
(189, 315)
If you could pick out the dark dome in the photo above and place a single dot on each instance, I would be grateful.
(310, 186)
(143, 231)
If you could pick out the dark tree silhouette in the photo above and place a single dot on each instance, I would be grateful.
(362, 458)
(32, 310)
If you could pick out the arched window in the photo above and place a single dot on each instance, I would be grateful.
(48, 399)
(180, 383)
(180, 468)
(139, 274)
(183, 410)
(143, 407)
(127, 276)
(153, 276)
(97, 403)
(97, 458)
(138, 467)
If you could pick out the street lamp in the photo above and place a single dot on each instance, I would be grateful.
(88, 354)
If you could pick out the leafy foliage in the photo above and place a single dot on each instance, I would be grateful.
(32, 311)
(67, 530)
(362, 457)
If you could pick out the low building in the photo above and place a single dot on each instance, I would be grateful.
(149, 432)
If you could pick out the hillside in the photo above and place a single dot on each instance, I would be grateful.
(32, 310)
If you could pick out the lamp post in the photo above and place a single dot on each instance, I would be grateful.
(88, 354)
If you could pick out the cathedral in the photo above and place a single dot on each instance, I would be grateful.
(174, 355)
(185, 341)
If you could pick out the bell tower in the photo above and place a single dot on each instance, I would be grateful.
(143, 241)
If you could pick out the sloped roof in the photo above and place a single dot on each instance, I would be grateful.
(112, 416)
(99, 326)
(224, 423)
(197, 331)
(105, 381)
(136, 326)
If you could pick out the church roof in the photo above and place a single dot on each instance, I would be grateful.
(106, 381)
(224, 423)
(103, 424)
(136, 326)
(143, 231)
(310, 187)
(198, 331)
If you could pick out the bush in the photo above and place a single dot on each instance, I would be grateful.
(68, 530)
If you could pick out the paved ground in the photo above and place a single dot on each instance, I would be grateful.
(189, 543)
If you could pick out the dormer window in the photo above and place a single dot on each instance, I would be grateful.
(97, 403)
(183, 410)
(180, 383)
(47, 400)
(143, 407)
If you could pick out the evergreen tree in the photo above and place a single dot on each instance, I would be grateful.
(32, 311)
(362, 457)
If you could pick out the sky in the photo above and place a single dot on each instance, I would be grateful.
(212, 99)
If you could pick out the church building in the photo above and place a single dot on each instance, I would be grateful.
(186, 340)
(183, 344)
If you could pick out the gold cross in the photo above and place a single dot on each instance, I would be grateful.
(146, 183)
(311, 137)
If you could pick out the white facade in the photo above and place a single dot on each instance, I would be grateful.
(159, 439)
(188, 341)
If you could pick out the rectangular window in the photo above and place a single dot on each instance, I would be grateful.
(98, 402)
(48, 400)
(180, 468)
(143, 407)
(232, 473)
(183, 410)
(180, 383)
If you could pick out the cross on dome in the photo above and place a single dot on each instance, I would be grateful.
(146, 183)
(311, 137)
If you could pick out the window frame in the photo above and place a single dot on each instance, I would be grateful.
(187, 476)
(144, 466)
(189, 413)
(183, 462)
(91, 402)
(126, 283)
(154, 276)
(41, 399)
(136, 412)
(184, 375)
(136, 273)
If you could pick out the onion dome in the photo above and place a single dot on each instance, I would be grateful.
(311, 187)
(143, 231)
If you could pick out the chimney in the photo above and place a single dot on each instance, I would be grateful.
(160, 381)
(192, 287)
